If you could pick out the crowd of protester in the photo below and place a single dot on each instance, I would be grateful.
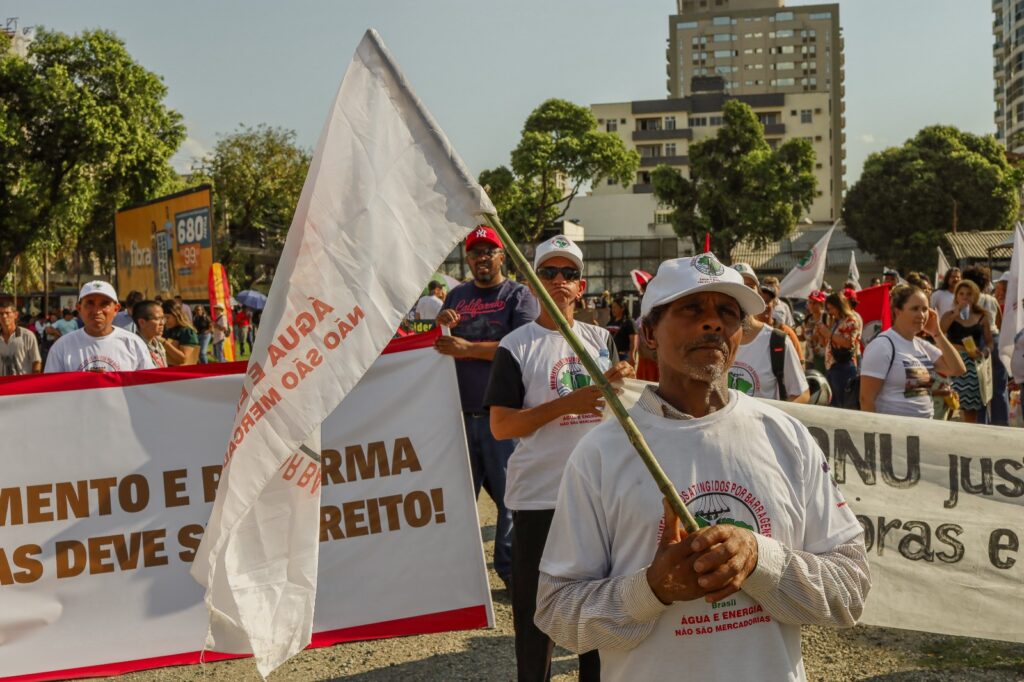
(173, 332)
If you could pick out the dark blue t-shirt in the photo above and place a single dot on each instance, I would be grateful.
(486, 315)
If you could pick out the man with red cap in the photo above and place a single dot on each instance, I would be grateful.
(480, 313)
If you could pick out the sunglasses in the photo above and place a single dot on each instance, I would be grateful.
(549, 273)
(483, 253)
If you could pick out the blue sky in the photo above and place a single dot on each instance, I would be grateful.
(481, 67)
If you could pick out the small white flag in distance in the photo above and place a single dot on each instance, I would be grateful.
(386, 199)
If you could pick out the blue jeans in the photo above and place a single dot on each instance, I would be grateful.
(218, 351)
(204, 345)
(488, 459)
(839, 376)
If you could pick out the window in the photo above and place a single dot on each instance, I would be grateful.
(754, 50)
(783, 16)
(716, 120)
(809, 82)
(648, 124)
(725, 37)
(809, 50)
(723, 70)
(698, 121)
(817, 16)
(611, 126)
(670, 123)
(783, 82)
(699, 40)
(649, 151)
(754, 82)
(670, 149)
(808, 33)
(770, 117)
(753, 67)
(611, 181)
(806, 116)
(686, 24)
(722, 21)
(784, 33)
(783, 66)
(643, 177)
(726, 54)
(757, 34)
(782, 49)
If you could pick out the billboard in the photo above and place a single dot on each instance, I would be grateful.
(165, 246)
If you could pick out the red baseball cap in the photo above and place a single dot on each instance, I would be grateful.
(483, 233)
(850, 293)
(817, 296)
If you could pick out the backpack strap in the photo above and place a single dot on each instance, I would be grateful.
(777, 351)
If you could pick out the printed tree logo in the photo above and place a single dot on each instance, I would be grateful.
(560, 242)
(808, 259)
(707, 264)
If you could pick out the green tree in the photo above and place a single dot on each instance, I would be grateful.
(83, 130)
(560, 151)
(257, 176)
(907, 197)
(739, 188)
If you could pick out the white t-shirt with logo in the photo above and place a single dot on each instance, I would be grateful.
(118, 351)
(533, 366)
(428, 307)
(751, 371)
(908, 380)
(748, 465)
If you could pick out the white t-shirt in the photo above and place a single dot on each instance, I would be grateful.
(908, 380)
(751, 371)
(990, 305)
(783, 314)
(118, 351)
(942, 301)
(428, 307)
(748, 465)
(545, 368)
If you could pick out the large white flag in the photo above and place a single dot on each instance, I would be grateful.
(809, 271)
(941, 268)
(386, 199)
(854, 273)
(1011, 333)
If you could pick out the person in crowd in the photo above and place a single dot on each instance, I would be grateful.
(781, 312)
(970, 332)
(999, 290)
(480, 313)
(124, 319)
(921, 281)
(875, 281)
(896, 373)
(999, 408)
(182, 345)
(814, 323)
(99, 346)
(540, 394)
(19, 347)
(148, 317)
(891, 276)
(203, 325)
(242, 325)
(843, 337)
(50, 333)
(647, 361)
(620, 326)
(221, 331)
(67, 323)
(748, 274)
(942, 298)
(185, 308)
(619, 574)
(429, 305)
(768, 317)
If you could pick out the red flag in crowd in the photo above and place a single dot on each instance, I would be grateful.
(873, 308)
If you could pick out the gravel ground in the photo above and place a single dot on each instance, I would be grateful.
(863, 653)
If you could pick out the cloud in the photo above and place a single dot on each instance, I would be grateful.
(867, 138)
(188, 154)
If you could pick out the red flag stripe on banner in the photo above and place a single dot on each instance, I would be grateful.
(469, 618)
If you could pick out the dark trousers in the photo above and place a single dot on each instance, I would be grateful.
(533, 647)
(999, 408)
(488, 459)
(839, 376)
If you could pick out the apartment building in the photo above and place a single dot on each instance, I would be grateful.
(1008, 55)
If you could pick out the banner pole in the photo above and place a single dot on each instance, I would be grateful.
(626, 421)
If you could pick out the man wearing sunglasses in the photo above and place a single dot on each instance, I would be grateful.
(479, 314)
(540, 394)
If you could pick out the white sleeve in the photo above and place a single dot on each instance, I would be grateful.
(878, 358)
(793, 371)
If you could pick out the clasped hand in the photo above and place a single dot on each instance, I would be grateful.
(712, 563)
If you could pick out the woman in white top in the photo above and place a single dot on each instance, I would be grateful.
(942, 298)
(896, 370)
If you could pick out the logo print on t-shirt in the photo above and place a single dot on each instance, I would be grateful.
(707, 264)
(567, 375)
(725, 502)
(744, 379)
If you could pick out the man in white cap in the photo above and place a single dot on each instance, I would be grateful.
(778, 546)
(98, 346)
(540, 393)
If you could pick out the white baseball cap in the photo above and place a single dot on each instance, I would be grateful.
(684, 276)
(559, 245)
(98, 287)
(747, 271)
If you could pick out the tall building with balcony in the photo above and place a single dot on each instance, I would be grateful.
(762, 47)
(1008, 55)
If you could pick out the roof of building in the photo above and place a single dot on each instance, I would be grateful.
(782, 256)
(975, 245)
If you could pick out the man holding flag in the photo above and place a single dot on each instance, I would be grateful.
(386, 199)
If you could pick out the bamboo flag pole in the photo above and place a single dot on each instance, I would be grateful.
(628, 425)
